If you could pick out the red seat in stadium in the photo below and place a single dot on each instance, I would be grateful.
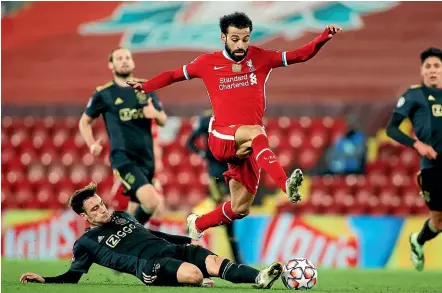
(49, 156)
(49, 123)
(44, 196)
(309, 158)
(56, 173)
(69, 157)
(287, 158)
(70, 124)
(275, 137)
(305, 123)
(59, 138)
(195, 196)
(296, 138)
(20, 138)
(344, 199)
(99, 172)
(284, 123)
(24, 197)
(78, 173)
(173, 198)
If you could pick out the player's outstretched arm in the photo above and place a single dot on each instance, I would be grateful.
(68, 277)
(161, 80)
(309, 50)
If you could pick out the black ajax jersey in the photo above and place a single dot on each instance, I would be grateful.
(122, 244)
(128, 130)
(423, 105)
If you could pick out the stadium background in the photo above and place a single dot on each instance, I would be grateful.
(54, 55)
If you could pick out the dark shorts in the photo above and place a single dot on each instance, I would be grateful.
(164, 269)
(430, 182)
(133, 176)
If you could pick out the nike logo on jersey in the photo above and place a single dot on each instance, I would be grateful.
(100, 238)
(218, 68)
(431, 98)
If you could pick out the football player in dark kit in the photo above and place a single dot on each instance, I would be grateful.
(128, 117)
(218, 188)
(119, 242)
(423, 105)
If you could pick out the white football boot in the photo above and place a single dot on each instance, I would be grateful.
(268, 276)
(191, 227)
(417, 252)
(293, 184)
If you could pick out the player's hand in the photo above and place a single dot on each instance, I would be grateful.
(31, 278)
(333, 30)
(149, 110)
(425, 150)
(96, 148)
(136, 84)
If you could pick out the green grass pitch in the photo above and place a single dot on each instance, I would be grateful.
(330, 280)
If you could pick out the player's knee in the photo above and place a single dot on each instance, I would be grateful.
(148, 197)
(213, 265)
(241, 210)
(436, 220)
(189, 274)
(195, 276)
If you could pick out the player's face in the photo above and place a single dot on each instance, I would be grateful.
(431, 72)
(95, 212)
(236, 42)
(122, 64)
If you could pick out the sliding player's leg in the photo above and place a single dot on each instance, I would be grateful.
(212, 265)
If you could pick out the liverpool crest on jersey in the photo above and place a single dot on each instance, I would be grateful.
(250, 65)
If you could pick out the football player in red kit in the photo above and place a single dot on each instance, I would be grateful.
(235, 80)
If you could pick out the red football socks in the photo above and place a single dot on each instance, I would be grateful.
(223, 214)
(267, 160)
(154, 224)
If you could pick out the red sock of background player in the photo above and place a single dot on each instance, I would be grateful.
(223, 214)
(267, 160)
(154, 224)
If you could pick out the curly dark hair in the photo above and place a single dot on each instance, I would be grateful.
(431, 52)
(77, 199)
(238, 19)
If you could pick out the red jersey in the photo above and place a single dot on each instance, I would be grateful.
(236, 89)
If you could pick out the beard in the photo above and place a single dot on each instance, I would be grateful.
(232, 53)
(123, 74)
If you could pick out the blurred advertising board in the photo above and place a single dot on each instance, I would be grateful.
(343, 242)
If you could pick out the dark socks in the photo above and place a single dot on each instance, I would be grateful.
(141, 216)
(237, 273)
(233, 243)
(428, 232)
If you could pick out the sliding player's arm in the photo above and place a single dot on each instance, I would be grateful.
(303, 54)
(81, 262)
(68, 277)
(189, 71)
